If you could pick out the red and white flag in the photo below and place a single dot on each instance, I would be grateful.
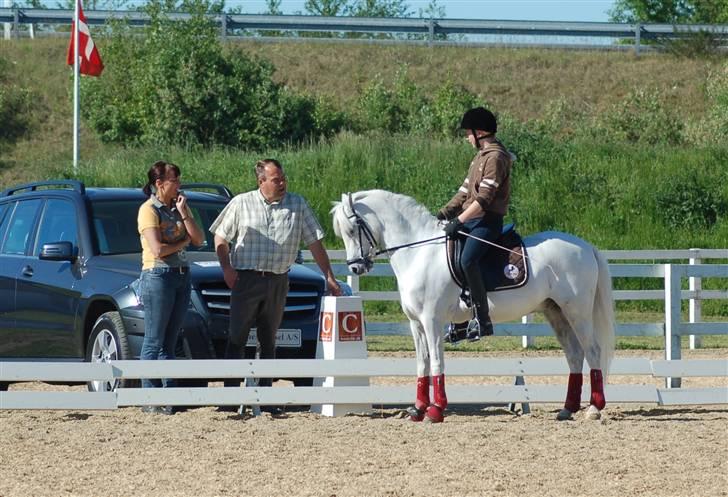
(89, 59)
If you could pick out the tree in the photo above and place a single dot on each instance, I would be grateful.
(433, 10)
(670, 11)
(327, 8)
(378, 8)
(274, 7)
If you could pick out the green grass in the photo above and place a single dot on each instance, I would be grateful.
(513, 344)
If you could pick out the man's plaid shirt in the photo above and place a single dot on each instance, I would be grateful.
(266, 236)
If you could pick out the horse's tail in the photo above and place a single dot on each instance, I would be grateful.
(603, 313)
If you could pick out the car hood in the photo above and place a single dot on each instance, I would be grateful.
(204, 268)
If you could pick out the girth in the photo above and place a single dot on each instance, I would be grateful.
(504, 270)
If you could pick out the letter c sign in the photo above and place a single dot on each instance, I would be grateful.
(326, 331)
(350, 326)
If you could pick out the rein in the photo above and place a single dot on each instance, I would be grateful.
(364, 231)
(407, 245)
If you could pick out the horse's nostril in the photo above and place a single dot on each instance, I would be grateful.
(355, 270)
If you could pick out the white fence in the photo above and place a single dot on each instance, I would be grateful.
(672, 369)
(391, 395)
(672, 294)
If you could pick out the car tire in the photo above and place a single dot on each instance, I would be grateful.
(4, 387)
(108, 342)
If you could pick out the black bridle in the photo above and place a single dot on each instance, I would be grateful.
(365, 232)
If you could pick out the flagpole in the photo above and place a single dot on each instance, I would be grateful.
(75, 91)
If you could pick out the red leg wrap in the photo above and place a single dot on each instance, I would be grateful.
(434, 414)
(573, 394)
(423, 393)
(438, 384)
(597, 389)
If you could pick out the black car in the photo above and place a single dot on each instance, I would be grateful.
(70, 258)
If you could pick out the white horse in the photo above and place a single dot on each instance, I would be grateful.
(568, 281)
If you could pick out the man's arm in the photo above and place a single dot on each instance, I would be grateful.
(222, 249)
(322, 259)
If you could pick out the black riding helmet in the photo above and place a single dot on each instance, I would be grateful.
(479, 118)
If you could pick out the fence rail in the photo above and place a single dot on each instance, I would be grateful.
(672, 329)
(483, 394)
(672, 369)
(398, 30)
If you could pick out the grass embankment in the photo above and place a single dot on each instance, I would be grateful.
(521, 82)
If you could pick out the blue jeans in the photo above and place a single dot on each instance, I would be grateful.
(165, 296)
(489, 228)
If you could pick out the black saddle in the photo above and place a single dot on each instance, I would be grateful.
(504, 269)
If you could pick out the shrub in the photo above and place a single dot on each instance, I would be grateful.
(641, 117)
(690, 201)
(713, 129)
(16, 106)
(403, 108)
(447, 108)
(177, 84)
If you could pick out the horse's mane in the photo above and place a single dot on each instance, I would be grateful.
(407, 207)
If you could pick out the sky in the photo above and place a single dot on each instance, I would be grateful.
(527, 10)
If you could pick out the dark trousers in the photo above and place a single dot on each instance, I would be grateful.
(257, 298)
(489, 228)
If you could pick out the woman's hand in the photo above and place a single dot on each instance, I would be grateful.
(181, 204)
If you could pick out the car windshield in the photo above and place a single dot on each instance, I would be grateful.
(115, 225)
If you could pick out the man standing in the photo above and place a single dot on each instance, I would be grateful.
(265, 228)
(479, 207)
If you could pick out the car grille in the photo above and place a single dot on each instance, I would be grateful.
(302, 301)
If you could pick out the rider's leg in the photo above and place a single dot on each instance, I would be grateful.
(472, 260)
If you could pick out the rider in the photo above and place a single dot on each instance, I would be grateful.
(478, 208)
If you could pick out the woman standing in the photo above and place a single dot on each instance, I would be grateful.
(166, 226)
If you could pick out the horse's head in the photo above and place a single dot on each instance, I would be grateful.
(359, 238)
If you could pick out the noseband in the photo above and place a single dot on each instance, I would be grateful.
(363, 232)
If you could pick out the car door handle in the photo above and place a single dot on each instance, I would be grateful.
(27, 271)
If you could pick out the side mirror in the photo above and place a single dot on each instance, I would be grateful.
(57, 251)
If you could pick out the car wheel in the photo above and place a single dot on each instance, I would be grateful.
(302, 382)
(4, 387)
(108, 342)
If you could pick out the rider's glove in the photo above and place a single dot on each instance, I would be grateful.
(452, 228)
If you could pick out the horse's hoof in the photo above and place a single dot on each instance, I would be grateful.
(415, 414)
(434, 414)
(593, 413)
(564, 415)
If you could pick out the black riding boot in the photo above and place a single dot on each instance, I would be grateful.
(480, 325)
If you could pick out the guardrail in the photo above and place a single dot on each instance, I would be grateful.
(379, 394)
(398, 30)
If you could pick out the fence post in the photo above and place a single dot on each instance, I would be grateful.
(6, 25)
(16, 22)
(637, 38)
(223, 26)
(696, 285)
(527, 340)
(353, 281)
(430, 32)
(672, 318)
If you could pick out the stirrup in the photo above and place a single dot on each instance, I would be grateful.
(476, 330)
(454, 334)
